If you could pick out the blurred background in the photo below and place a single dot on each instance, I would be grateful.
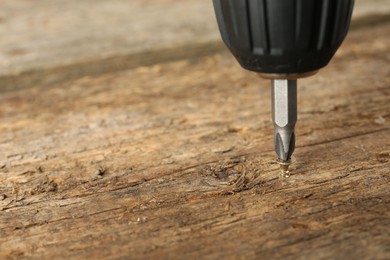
(48, 41)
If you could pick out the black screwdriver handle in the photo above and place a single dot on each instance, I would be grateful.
(283, 36)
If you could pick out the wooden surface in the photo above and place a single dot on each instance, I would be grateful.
(62, 32)
(176, 160)
(57, 40)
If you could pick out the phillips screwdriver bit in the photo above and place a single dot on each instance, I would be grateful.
(284, 116)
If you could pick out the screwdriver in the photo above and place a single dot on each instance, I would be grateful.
(283, 40)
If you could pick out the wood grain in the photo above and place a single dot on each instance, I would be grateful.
(176, 161)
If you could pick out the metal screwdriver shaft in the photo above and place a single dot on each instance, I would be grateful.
(284, 116)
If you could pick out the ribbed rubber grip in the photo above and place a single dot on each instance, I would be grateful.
(283, 36)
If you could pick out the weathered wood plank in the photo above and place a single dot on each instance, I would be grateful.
(176, 160)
